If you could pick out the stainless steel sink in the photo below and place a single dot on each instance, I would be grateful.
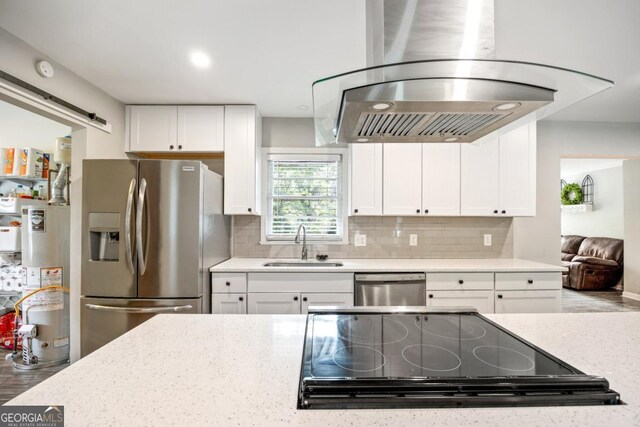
(302, 264)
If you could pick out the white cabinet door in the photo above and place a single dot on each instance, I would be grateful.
(518, 172)
(402, 179)
(480, 178)
(325, 299)
(441, 179)
(528, 301)
(200, 128)
(229, 304)
(366, 179)
(152, 128)
(480, 300)
(274, 303)
(242, 141)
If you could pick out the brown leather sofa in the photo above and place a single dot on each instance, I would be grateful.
(569, 250)
(597, 264)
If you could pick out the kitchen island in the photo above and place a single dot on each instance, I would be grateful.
(244, 370)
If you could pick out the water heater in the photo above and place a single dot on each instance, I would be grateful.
(45, 261)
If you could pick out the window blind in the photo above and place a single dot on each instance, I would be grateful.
(304, 189)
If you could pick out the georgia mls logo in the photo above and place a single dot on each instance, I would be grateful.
(31, 416)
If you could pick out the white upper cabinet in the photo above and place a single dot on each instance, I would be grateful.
(518, 172)
(441, 179)
(152, 128)
(171, 128)
(366, 179)
(480, 178)
(242, 148)
(201, 128)
(402, 179)
(498, 177)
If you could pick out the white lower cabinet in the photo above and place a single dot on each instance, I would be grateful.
(480, 300)
(229, 304)
(325, 299)
(528, 301)
(274, 303)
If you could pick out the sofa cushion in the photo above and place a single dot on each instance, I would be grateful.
(571, 243)
(602, 247)
(595, 261)
(567, 257)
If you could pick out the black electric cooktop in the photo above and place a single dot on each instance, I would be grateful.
(387, 357)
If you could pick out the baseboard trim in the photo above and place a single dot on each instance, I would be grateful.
(631, 296)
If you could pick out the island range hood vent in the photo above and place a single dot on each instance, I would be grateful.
(409, 93)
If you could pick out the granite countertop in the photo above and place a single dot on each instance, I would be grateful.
(244, 370)
(371, 265)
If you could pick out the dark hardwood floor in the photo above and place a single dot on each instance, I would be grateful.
(14, 382)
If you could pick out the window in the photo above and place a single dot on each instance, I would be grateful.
(304, 189)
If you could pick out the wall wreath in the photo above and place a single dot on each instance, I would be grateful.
(571, 194)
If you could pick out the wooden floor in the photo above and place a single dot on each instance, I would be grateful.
(13, 382)
(596, 301)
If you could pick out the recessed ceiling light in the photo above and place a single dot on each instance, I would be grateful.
(381, 106)
(507, 106)
(362, 140)
(200, 59)
(303, 107)
(451, 139)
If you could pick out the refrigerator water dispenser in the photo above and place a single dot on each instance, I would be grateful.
(104, 236)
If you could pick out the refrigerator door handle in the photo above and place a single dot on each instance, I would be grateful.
(142, 248)
(140, 310)
(127, 227)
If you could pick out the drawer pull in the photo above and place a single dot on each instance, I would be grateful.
(295, 298)
(241, 298)
(417, 210)
(355, 210)
(228, 283)
(304, 299)
(496, 211)
(499, 295)
(430, 295)
(529, 281)
(461, 281)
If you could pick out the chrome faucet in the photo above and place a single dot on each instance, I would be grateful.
(304, 241)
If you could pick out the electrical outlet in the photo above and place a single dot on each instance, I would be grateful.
(360, 240)
(487, 239)
(413, 240)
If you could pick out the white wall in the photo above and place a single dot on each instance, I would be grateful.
(631, 172)
(22, 128)
(606, 220)
(18, 59)
(538, 238)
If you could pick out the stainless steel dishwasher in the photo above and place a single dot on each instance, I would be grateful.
(384, 289)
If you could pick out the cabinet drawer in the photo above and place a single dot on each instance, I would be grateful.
(528, 281)
(528, 301)
(459, 281)
(480, 300)
(301, 282)
(228, 282)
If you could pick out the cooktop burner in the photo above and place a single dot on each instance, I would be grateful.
(371, 357)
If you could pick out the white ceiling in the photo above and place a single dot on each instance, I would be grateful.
(269, 52)
(573, 167)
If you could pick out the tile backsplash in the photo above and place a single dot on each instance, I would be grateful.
(388, 237)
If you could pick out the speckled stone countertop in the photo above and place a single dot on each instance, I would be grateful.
(244, 370)
(371, 265)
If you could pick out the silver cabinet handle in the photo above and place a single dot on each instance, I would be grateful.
(141, 247)
(128, 245)
(140, 310)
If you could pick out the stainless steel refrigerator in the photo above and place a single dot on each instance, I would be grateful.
(150, 231)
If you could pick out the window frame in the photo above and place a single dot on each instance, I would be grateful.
(344, 153)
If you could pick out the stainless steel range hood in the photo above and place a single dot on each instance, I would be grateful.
(409, 94)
